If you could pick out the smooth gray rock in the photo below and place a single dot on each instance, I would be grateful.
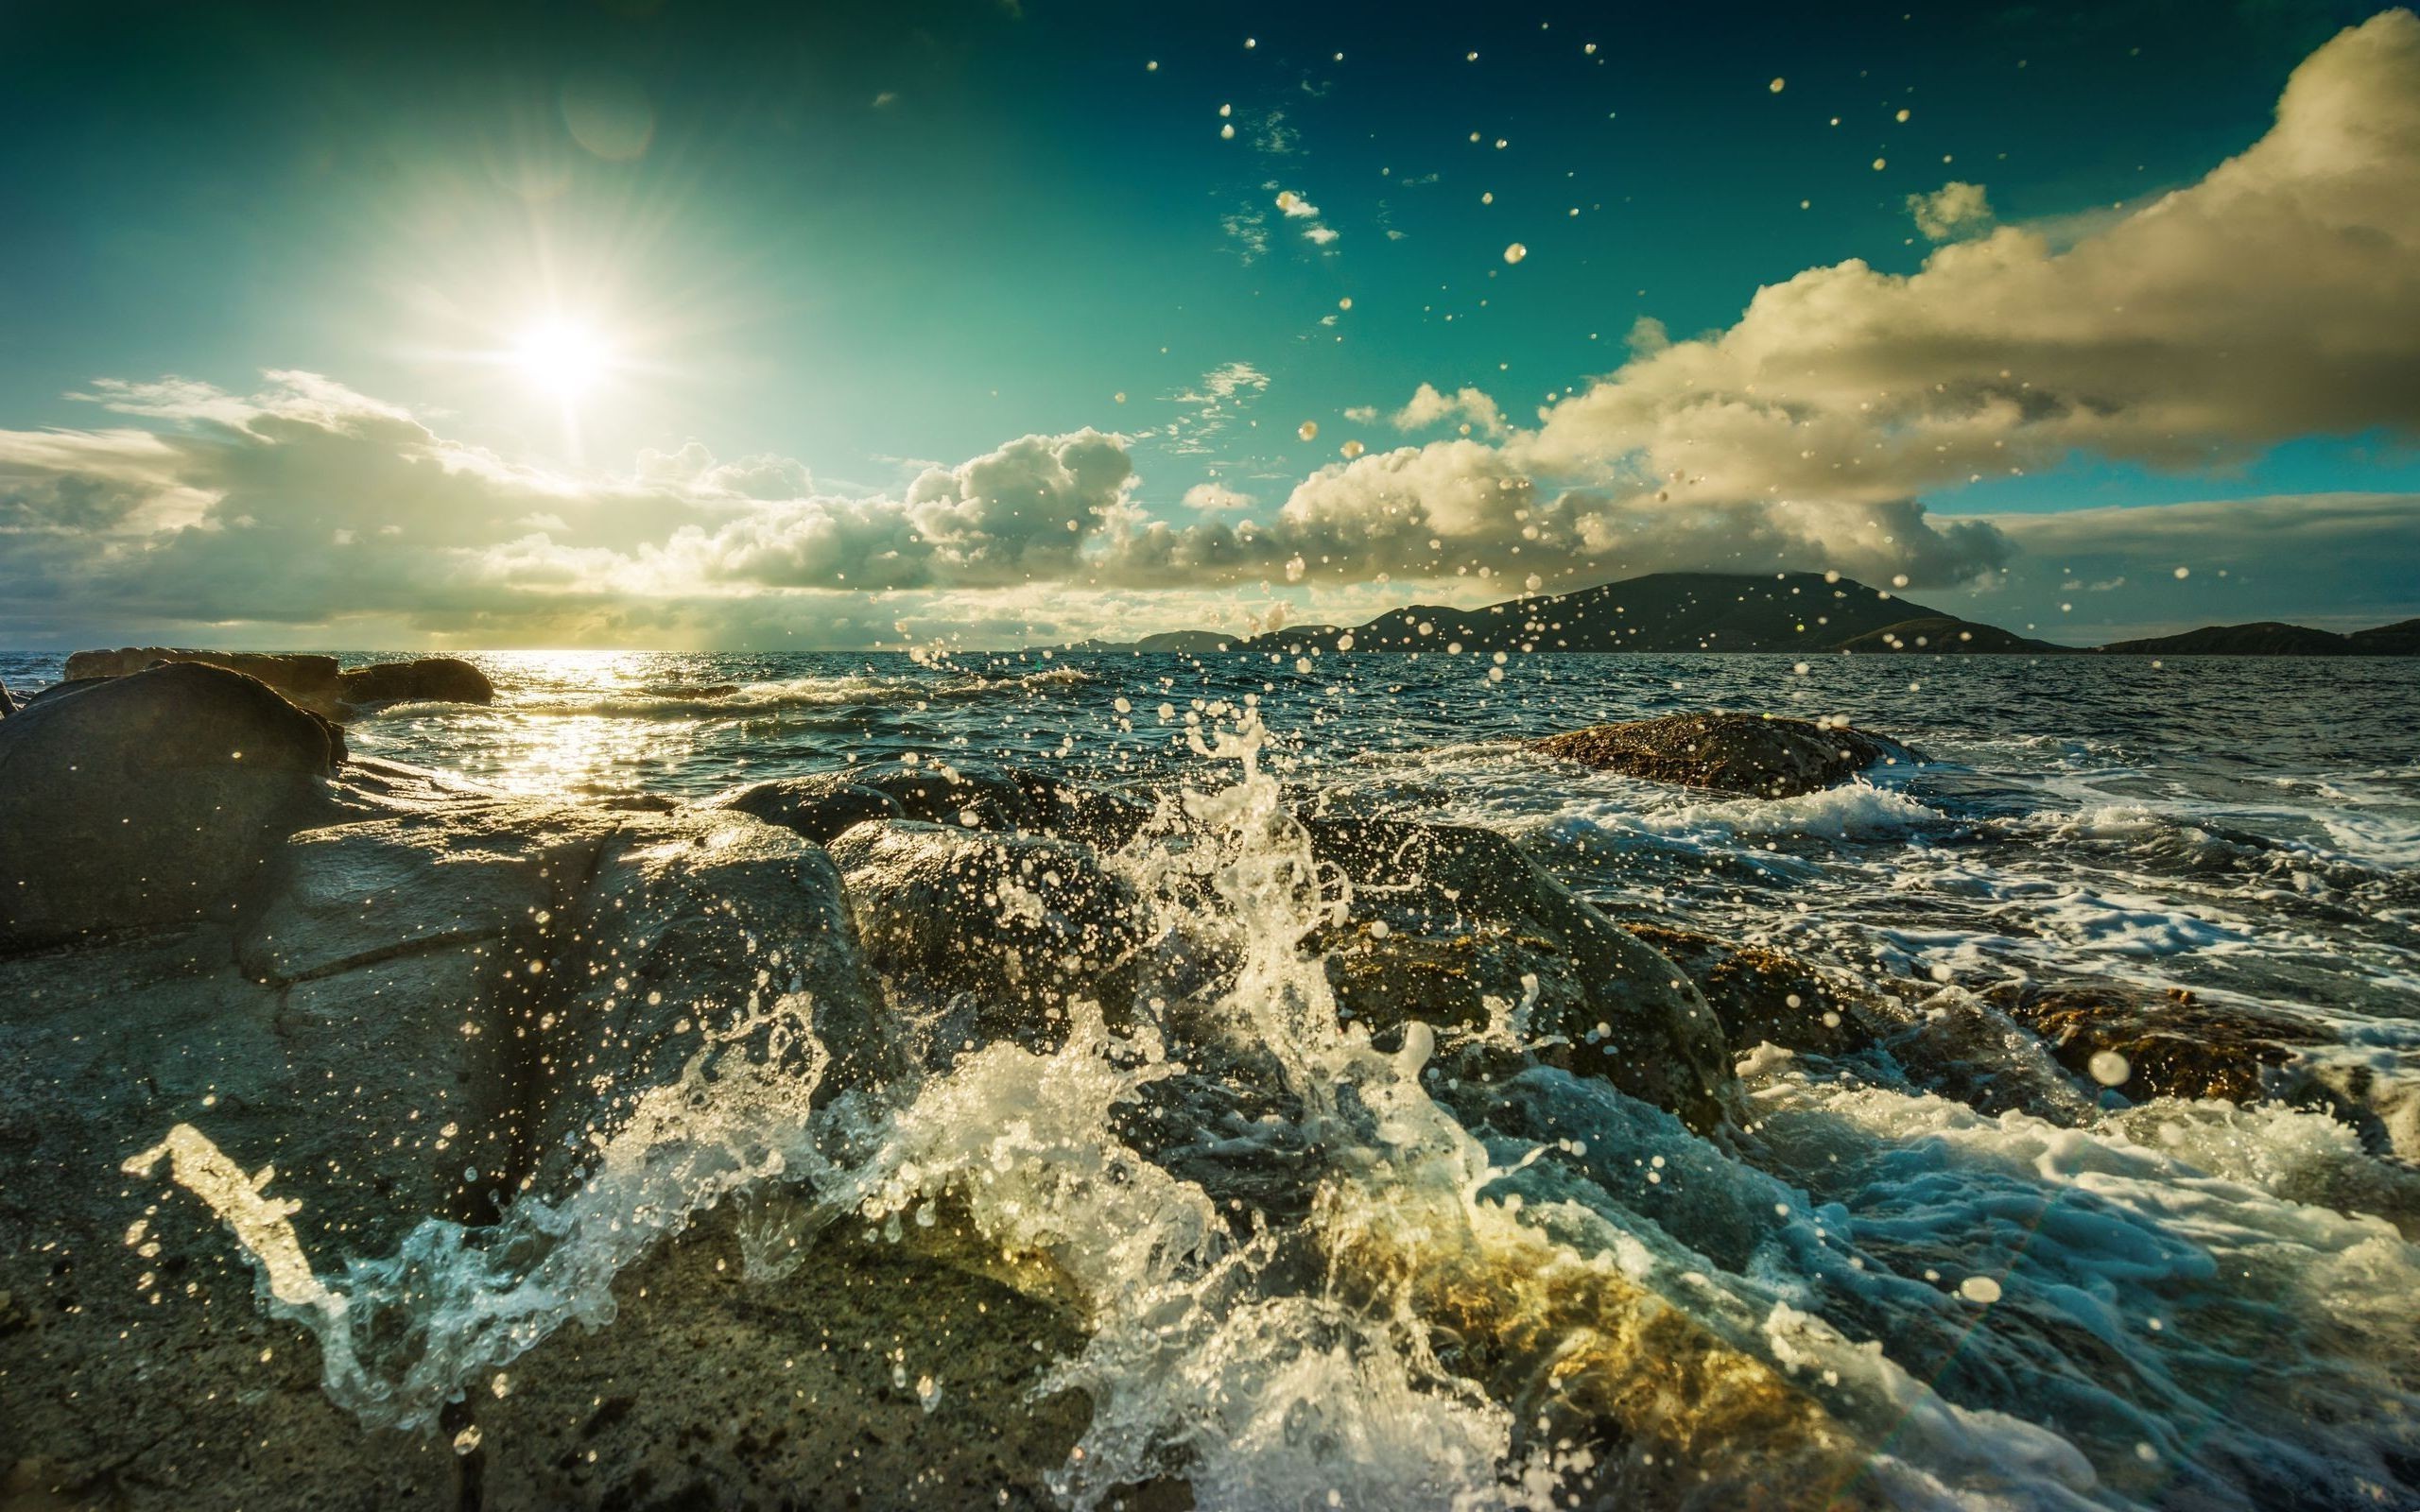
(1757, 755)
(1021, 923)
(151, 799)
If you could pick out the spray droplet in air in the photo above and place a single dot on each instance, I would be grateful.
(1352, 449)
(1308, 430)
(2109, 1068)
(1979, 1289)
(1516, 252)
(1777, 85)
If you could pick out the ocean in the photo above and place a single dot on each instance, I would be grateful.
(1985, 1278)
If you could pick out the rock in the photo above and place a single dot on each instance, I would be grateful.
(8, 704)
(1764, 995)
(307, 680)
(2171, 1044)
(151, 799)
(752, 1360)
(1021, 922)
(415, 1016)
(973, 797)
(686, 923)
(1755, 754)
(1456, 926)
(429, 679)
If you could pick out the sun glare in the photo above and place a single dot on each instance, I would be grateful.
(561, 357)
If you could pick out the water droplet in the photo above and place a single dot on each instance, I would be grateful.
(1516, 252)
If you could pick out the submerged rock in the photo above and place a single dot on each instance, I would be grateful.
(971, 797)
(1757, 755)
(151, 799)
(2149, 1045)
(429, 680)
(1764, 995)
(1456, 926)
(1023, 923)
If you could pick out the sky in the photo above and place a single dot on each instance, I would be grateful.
(644, 323)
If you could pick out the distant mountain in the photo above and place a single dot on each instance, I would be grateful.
(1661, 612)
(2272, 637)
(1736, 611)
(1177, 640)
(2399, 639)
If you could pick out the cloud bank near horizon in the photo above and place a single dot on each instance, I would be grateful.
(2272, 300)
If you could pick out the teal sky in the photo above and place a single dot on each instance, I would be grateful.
(867, 239)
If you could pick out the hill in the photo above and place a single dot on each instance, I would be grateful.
(1738, 612)
(1661, 612)
(2268, 638)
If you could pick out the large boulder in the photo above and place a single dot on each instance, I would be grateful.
(1456, 926)
(1758, 755)
(822, 807)
(305, 679)
(1017, 925)
(429, 679)
(688, 926)
(151, 799)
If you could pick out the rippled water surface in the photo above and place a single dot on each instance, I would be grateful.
(2043, 1294)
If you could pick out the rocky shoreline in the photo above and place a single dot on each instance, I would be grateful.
(375, 998)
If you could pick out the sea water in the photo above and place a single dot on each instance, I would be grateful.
(1865, 1286)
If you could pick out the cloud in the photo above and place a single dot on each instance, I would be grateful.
(2272, 300)
(1297, 208)
(1249, 228)
(1212, 404)
(1956, 208)
(1428, 406)
(2336, 561)
(1215, 496)
(307, 504)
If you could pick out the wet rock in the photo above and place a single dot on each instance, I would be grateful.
(686, 925)
(151, 799)
(2171, 1044)
(972, 796)
(758, 1362)
(429, 680)
(1456, 927)
(1021, 923)
(419, 1015)
(1758, 755)
(147, 1376)
(1764, 995)
(307, 680)
(8, 704)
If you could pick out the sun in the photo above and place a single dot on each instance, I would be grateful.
(562, 357)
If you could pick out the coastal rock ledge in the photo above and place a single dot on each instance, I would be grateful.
(346, 1105)
(1755, 755)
